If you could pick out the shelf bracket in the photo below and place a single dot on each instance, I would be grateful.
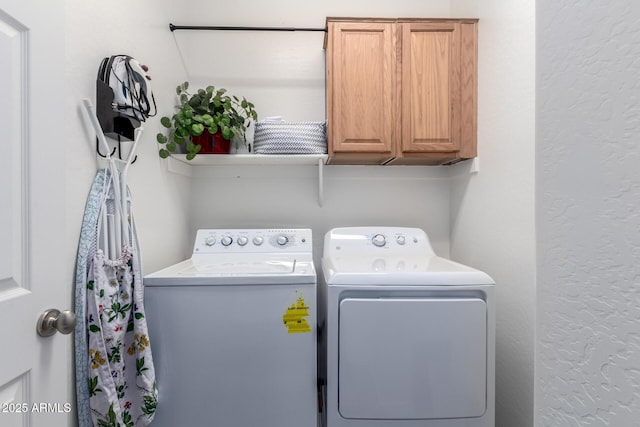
(320, 182)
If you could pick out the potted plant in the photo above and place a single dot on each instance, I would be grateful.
(206, 121)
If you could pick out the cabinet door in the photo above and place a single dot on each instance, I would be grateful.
(431, 97)
(362, 78)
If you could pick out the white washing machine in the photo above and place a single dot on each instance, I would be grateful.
(407, 337)
(233, 331)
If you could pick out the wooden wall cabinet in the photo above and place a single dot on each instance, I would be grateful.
(401, 91)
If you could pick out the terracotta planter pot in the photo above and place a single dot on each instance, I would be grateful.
(212, 144)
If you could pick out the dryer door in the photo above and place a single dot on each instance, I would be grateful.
(412, 358)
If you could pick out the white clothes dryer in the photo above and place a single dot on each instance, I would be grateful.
(233, 331)
(407, 337)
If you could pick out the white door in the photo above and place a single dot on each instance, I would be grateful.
(35, 372)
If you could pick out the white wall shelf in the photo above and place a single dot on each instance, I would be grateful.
(178, 163)
(252, 159)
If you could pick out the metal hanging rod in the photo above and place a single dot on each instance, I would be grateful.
(224, 28)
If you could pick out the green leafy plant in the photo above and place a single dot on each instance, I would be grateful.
(211, 109)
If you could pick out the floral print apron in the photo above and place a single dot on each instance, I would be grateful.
(117, 377)
(122, 385)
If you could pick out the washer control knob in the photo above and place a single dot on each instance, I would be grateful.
(242, 240)
(379, 240)
(210, 241)
(258, 240)
(400, 239)
(282, 240)
(226, 241)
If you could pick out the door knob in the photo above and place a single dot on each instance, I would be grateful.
(52, 321)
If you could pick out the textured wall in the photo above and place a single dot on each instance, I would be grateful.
(588, 199)
(492, 212)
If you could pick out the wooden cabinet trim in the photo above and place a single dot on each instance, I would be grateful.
(469, 90)
(400, 20)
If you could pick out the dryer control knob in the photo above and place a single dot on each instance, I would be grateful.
(242, 240)
(258, 240)
(379, 240)
(226, 241)
(400, 240)
(210, 241)
(282, 240)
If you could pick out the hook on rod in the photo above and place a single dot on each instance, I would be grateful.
(104, 156)
(120, 152)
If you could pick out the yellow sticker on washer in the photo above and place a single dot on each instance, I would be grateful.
(295, 317)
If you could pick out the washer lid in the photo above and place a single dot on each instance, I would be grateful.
(400, 270)
(223, 270)
(235, 268)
